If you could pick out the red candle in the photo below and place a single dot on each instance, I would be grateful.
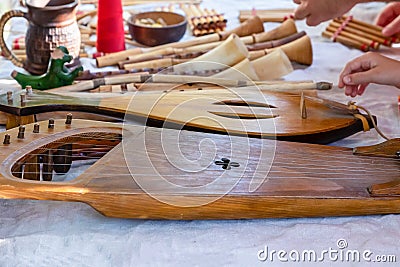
(110, 27)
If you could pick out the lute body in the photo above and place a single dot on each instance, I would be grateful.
(251, 113)
(152, 173)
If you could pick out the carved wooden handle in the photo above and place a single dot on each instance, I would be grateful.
(5, 51)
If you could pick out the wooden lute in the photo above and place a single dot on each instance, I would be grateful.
(153, 173)
(236, 111)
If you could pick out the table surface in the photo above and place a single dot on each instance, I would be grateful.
(44, 233)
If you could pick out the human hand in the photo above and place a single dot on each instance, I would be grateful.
(317, 11)
(389, 19)
(369, 68)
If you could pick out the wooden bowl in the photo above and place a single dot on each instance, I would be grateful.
(152, 36)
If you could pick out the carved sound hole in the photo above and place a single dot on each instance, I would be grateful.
(240, 109)
(56, 158)
(226, 163)
(242, 103)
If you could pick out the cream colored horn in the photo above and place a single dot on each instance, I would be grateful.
(269, 67)
(287, 28)
(239, 72)
(228, 53)
(272, 66)
(299, 50)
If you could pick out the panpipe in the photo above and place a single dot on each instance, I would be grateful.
(357, 34)
(267, 15)
(203, 21)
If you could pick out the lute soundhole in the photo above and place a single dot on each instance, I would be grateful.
(57, 157)
(227, 164)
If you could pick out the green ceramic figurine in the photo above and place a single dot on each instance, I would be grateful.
(57, 75)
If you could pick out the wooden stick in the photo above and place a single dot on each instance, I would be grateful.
(276, 43)
(182, 79)
(154, 55)
(155, 64)
(87, 75)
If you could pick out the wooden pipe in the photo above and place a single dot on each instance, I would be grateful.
(228, 53)
(276, 43)
(138, 78)
(155, 64)
(197, 49)
(287, 28)
(252, 26)
(299, 51)
(249, 27)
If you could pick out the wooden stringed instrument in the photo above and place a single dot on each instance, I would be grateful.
(236, 111)
(153, 173)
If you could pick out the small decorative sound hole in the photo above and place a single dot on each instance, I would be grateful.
(226, 164)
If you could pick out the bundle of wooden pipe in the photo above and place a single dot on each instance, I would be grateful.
(267, 15)
(295, 46)
(203, 21)
(357, 34)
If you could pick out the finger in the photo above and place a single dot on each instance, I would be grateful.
(361, 88)
(361, 63)
(385, 17)
(297, 1)
(301, 12)
(354, 92)
(349, 89)
(392, 27)
(359, 78)
(313, 20)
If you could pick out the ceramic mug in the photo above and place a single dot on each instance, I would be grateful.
(49, 27)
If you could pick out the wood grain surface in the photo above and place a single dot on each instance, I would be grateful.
(237, 111)
(168, 174)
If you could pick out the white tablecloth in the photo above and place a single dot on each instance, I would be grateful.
(42, 233)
